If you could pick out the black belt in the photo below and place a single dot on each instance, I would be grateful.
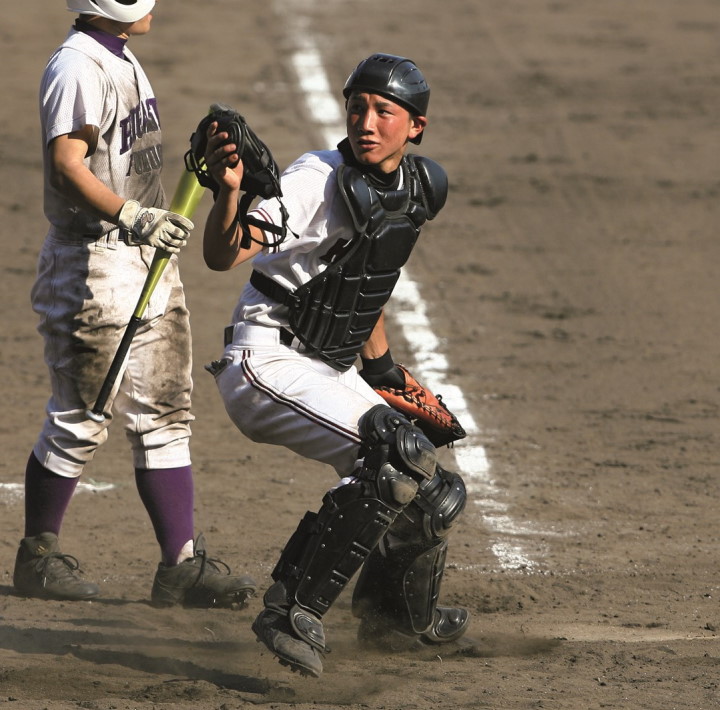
(286, 336)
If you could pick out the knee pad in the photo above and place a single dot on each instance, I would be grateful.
(390, 437)
(433, 511)
(438, 504)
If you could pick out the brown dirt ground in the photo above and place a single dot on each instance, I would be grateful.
(572, 281)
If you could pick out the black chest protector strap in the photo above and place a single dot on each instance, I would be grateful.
(271, 288)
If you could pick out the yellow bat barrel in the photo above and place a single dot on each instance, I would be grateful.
(188, 194)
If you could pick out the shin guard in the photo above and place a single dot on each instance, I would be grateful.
(400, 583)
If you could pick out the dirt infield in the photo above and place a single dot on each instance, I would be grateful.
(571, 283)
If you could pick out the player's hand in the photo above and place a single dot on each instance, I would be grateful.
(222, 160)
(155, 227)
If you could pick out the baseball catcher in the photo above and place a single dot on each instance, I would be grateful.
(288, 375)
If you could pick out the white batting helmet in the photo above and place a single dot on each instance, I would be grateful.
(119, 10)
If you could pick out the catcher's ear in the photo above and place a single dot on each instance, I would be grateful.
(418, 124)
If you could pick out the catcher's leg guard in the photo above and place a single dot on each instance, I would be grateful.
(329, 546)
(397, 592)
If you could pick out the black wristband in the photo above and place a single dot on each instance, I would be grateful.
(377, 365)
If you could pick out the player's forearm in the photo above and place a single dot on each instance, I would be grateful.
(222, 236)
(78, 185)
(377, 344)
(221, 239)
(71, 177)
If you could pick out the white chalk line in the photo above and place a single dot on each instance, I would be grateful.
(14, 492)
(592, 633)
(409, 311)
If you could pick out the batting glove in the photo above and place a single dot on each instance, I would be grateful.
(157, 228)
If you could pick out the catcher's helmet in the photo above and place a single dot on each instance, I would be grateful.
(119, 10)
(398, 78)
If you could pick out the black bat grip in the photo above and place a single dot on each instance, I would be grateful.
(97, 413)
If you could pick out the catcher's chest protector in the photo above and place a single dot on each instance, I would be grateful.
(334, 313)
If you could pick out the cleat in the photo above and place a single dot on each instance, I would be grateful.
(275, 630)
(43, 572)
(201, 582)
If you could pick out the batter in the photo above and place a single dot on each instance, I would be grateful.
(106, 206)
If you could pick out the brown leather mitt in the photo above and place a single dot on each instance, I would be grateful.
(427, 411)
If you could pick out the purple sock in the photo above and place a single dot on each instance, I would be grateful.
(47, 497)
(167, 494)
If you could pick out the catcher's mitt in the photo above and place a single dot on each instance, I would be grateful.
(261, 176)
(426, 410)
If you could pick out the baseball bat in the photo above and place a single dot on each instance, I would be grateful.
(188, 194)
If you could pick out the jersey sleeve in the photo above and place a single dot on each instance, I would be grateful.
(72, 93)
(308, 190)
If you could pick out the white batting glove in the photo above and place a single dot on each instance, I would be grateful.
(157, 228)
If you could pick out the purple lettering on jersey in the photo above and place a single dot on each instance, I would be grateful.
(141, 119)
(127, 139)
(145, 161)
(153, 114)
(136, 119)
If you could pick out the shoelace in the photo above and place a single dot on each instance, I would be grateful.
(71, 563)
(211, 561)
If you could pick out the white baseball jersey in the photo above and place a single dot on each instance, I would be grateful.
(275, 393)
(89, 279)
(86, 85)
(317, 214)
